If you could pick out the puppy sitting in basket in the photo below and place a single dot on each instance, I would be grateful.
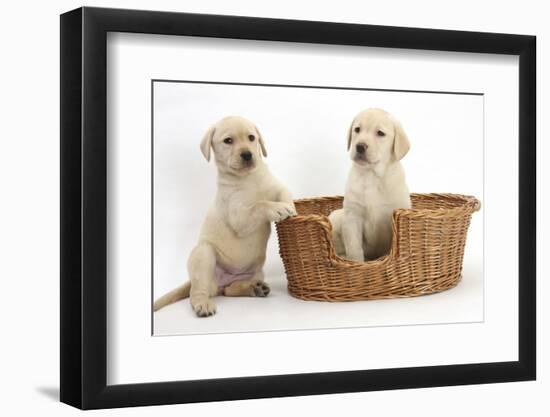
(231, 250)
(362, 229)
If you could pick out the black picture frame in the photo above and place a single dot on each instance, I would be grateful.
(84, 209)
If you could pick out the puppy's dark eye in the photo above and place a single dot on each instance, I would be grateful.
(380, 133)
(251, 138)
(357, 129)
(229, 141)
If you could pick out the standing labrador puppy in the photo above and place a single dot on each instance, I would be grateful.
(231, 250)
(375, 186)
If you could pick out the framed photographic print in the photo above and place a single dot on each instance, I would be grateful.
(259, 207)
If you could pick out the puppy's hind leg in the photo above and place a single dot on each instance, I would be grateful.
(254, 287)
(201, 267)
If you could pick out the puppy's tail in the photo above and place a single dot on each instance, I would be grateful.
(175, 295)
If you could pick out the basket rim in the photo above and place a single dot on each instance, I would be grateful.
(471, 204)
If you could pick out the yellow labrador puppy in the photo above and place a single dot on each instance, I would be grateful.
(375, 187)
(231, 250)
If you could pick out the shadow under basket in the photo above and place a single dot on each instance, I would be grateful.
(425, 257)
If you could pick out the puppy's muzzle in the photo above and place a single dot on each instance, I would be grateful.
(246, 156)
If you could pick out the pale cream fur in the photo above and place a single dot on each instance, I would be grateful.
(237, 225)
(375, 186)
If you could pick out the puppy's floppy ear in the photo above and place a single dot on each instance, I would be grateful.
(350, 131)
(401, 144)
(206, 142)
(262, 143)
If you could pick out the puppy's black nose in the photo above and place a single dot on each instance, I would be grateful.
(361, 148)
(246, 155)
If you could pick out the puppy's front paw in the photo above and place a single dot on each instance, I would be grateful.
(204, 308)
(357, 257)
(277, 211)
(260, 289)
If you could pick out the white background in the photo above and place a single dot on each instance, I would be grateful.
(132, 60)
(305, 131)
(30, 174)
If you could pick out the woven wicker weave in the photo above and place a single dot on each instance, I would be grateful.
(425, 257)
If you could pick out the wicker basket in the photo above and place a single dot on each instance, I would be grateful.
(425, 257)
